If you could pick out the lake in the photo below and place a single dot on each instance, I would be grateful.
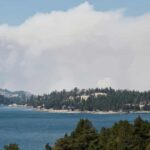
(32, 130)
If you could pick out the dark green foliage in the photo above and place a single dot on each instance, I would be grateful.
(80, 139)
(142, 133)
(11, 147)
(121, 136)
(115, 100)
(84, 126)
(48, 147)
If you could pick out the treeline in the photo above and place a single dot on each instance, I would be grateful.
(6, 101)
(121, 136)
(93, 100)
(86, 100)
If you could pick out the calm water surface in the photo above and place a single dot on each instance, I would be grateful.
(32, 130)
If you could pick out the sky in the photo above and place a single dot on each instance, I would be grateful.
(15, 12)
(53, 45)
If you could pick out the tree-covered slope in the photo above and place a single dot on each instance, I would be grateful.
(9, 97)
(93, 100)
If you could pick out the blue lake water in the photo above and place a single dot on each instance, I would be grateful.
(32, 130)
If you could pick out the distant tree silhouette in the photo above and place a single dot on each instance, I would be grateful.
(11, 147)
(48, 147)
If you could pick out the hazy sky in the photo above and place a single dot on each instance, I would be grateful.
(48, 45)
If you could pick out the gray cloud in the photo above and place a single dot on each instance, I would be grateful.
(80, 47)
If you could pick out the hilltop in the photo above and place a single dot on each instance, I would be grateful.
(9, 97)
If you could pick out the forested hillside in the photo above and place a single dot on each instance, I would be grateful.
(85, 100)
(93, 100)
(8, 97)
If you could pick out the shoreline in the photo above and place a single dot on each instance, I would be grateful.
(78, 111)
(64, 110)
(74, 111)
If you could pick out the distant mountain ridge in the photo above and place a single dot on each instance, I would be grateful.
(16, 94)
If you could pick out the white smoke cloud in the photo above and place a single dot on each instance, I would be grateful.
(106, 83)
(76, 48)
